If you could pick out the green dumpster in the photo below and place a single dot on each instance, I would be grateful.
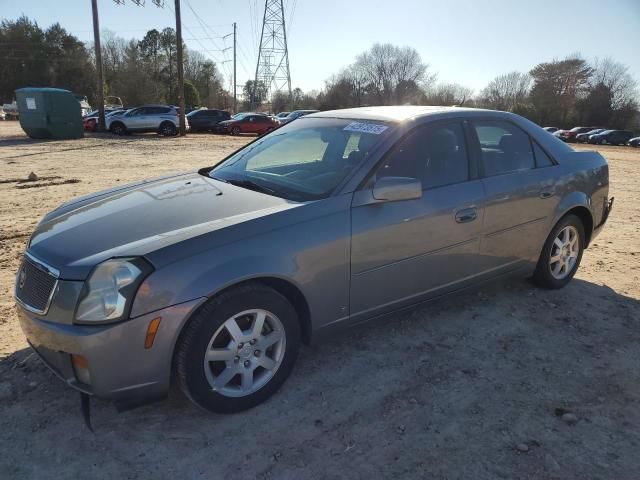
(49, 113)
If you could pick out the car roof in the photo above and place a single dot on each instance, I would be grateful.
(391, 113)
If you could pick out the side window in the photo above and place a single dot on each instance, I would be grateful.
(542, 159)
(434, 154)
(505, 147)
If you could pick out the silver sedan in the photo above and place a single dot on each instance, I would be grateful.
(215, 277)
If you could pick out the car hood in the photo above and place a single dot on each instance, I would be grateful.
(138, 219)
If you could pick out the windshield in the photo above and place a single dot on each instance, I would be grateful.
(239, 116)
(304, 160)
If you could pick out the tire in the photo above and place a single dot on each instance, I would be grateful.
(118, 128)
(167, 129)
(207, 331)
(548, 274)
(235, 131)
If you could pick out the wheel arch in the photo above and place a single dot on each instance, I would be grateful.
(585, 216)
(283, 286)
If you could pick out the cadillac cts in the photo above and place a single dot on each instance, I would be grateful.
(213, 278)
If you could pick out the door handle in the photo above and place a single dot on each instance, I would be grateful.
(466, 215)
(547, 193)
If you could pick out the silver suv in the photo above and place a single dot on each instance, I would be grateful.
(147, 118)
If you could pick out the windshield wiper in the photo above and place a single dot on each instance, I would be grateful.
(250, 185)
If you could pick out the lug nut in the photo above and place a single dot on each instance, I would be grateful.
(247, 363)
(257, 353)
(253, 341)
(240, 345)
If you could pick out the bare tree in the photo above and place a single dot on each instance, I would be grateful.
(385, 66)
(615, 76)
(448, 94)
(506, 92)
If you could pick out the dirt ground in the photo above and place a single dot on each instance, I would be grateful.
(504, 382)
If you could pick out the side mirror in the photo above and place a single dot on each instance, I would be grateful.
(394, 189)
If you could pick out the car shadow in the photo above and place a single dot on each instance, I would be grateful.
(452, 385)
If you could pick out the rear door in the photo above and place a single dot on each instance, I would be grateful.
(406, 250)
(519, 179)
(156, 115)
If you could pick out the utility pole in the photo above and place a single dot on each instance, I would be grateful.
(99, 69)
(183, 123)
(235, 97)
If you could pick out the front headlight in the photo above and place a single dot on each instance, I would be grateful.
(110, 288)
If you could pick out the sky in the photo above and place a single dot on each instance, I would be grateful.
(463, 41)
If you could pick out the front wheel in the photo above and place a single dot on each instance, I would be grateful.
(235, 131)
(118, 128)
(238, 349)
(561, 254)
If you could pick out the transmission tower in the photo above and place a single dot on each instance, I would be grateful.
(273, 57)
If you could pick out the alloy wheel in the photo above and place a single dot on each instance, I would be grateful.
(564, 252)
(245, 353)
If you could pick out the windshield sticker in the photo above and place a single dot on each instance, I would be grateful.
(373, 128)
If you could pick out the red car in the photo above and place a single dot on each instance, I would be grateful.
(257, 123)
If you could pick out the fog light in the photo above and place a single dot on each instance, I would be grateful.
(81, 369)
(152, 329)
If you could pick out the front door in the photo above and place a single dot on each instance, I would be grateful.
(408, 250)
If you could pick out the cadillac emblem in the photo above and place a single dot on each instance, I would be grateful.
(22, 277)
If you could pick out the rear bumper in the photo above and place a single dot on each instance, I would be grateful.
(607, 211)
(120, 368)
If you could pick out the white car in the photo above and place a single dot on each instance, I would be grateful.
(163, 119)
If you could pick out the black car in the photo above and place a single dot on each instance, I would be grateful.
(611, 137)
(206, 120)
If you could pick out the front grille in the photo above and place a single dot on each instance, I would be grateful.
(35, 285)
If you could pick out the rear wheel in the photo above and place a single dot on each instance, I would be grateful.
(238, 349)
(561, 254)
(167, 129)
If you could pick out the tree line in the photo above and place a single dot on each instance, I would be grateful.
(561, 93)
(138, 71)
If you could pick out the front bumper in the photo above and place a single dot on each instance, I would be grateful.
(120, 368)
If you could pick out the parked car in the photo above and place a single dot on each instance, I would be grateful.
(11, 111)
(551, 129)
(147, 118)
(85, 108)
(257, 123)
(570, 135)
(584, 137)
(206, 120)
(90, 121)
(296, 114)
(611, 137)
(2, 114)
(281, 115)
(634, 142)
(213, 278)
